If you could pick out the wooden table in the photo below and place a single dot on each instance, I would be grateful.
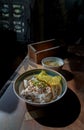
(66, 114)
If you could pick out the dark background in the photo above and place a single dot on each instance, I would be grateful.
(59, 19)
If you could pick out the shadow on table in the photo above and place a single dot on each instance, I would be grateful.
(67, 74)
(59, 114)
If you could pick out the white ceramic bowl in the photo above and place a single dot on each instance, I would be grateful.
(18, 85)
(54, 63)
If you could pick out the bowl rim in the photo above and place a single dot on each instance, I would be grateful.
(40, 104)
(52, 58)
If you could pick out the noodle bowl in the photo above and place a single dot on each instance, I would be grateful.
(40, 87)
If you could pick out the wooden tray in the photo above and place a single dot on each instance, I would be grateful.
(37, 51)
